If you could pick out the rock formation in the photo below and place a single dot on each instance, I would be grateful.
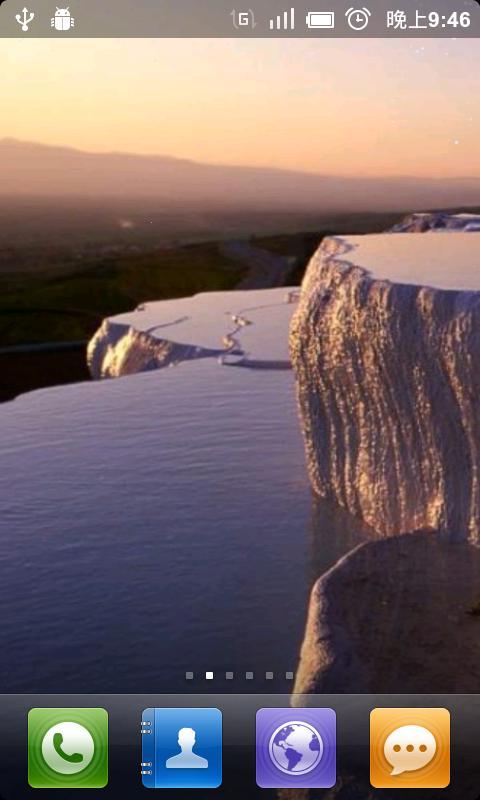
(117, 349)
(380, 618)
(438, 221)
(386, 347)
(241, 328)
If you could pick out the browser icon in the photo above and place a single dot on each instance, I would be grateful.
(296, 748)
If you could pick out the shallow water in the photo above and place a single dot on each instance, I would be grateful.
(152, 525)
(149, 526)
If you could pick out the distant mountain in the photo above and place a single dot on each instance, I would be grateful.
(31, 169)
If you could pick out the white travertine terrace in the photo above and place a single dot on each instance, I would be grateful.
(437, 222)
(240, 327)
(386, 347)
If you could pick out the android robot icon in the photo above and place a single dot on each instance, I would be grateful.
(63, 20)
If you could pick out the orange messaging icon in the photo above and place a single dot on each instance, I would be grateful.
(410, 748)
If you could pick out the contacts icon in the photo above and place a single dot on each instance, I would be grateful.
(181, 748)
(186, 758)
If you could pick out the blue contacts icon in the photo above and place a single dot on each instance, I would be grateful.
(182, 748)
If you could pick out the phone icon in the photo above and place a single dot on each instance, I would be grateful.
(74, 758)
(68, 748)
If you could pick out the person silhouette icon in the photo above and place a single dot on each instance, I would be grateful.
(186, 758)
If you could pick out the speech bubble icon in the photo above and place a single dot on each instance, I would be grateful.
(409, 748)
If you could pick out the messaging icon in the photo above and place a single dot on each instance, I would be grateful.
(410, 748)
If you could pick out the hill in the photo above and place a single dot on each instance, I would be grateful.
(29, 169)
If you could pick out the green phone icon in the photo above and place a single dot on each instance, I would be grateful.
(74, 758)
(68, 748)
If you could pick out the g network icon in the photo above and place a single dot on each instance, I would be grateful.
(243, 19)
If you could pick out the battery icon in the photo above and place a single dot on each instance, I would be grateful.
(321, 19)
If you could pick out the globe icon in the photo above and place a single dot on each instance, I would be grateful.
(295, 748)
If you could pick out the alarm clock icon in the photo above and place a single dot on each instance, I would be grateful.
(358, 18)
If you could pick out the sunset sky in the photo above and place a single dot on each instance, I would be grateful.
(352, 107)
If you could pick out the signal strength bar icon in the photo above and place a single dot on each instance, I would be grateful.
(284, 22)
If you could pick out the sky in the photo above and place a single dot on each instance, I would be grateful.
(351, 107)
